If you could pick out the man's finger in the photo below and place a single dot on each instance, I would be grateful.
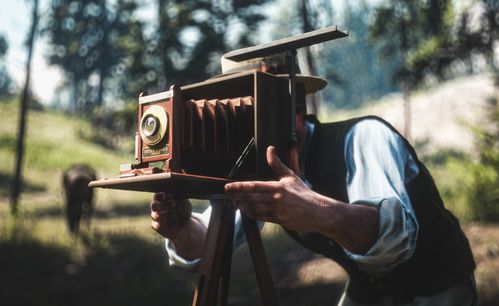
(155, 215)
(155, 225)
(279, 169)
(253, 186)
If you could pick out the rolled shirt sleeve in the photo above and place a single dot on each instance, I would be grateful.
(379, 166)
(204, 218)
(176, 260)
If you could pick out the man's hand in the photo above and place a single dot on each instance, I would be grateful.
(291, 204)
(169, 215)
(171, 218)
(287, 202)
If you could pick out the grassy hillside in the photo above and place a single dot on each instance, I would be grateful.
(53, 143)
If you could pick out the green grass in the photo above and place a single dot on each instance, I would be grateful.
(454, 180)
(53, 142)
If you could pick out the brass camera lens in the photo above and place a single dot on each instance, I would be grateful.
(150, 125)
(154, 125)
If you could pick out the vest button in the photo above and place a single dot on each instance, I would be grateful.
(331, 243)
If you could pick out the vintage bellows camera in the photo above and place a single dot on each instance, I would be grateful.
(193, 139)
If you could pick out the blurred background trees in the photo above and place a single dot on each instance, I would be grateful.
(110, 51)
(362, 72)
(192, 36)
(92, 43)
(107, 53)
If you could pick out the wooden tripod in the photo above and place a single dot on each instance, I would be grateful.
(213, 286)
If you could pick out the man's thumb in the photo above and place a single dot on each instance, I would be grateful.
(279, 169)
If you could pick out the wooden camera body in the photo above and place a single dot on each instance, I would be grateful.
(190, 139)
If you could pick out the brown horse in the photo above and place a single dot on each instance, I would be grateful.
(78, 195)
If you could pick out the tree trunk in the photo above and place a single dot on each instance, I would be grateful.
(407, 112)
(407, 84)
(73, 108)
(164, 40)
(17, 182)
(103, 69)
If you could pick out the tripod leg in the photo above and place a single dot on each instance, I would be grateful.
(216, 256)
(263, 276)
(227, 257)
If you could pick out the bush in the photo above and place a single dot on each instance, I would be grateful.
(453, 176)
(484, 195)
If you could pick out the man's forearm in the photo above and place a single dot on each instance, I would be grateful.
(189, 243)
(353, 226)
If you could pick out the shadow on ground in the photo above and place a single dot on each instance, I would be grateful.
(286, 258)
(6, 181)
(124, 269)
(115, 211)
(119, 270)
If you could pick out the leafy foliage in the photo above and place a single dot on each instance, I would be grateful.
(420, 31)
(192, 35)
(361, 76)
(484, 197)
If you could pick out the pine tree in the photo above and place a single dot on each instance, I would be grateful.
(411, 28)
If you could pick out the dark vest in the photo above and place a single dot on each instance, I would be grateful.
(442, 257)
